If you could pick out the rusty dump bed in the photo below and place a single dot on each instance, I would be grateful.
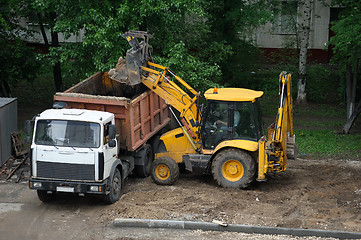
(137, 118)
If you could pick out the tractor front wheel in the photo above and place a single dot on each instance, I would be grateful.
(234, 168)
(165, 171)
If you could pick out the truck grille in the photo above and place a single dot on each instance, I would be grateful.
(65, 171)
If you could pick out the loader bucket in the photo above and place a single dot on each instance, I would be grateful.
(133, 65)
(128, 71)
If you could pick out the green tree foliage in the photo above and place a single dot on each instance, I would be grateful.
(203, 41)
(347, 40)
(177, 26)
(201, 74)
(347, 47)
(17, 61)
(231, 24)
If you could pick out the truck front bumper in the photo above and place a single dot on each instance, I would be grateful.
(66, 186)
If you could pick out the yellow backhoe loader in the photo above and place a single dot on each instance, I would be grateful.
(227, 139)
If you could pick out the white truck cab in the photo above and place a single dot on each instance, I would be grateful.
(75, 150)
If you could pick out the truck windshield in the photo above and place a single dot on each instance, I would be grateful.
(67, 133)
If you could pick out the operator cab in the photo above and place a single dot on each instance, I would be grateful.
(231, 113)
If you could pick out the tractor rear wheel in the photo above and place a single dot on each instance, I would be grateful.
(165, 171)
(234, 168)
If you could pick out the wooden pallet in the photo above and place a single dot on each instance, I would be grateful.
(19, 144)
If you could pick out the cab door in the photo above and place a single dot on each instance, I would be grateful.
(216, 126)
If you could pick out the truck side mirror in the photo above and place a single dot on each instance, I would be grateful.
(112, 131)
(27, 131)
(112, 143)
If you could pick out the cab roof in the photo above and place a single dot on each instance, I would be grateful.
(76, 115)
(232, 94)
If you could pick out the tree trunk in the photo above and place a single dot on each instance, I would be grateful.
(42, 30)
(354, 86)
(347, 127)
(305, 27)
(58, 81)
(351, 84)
(349, 108)
(56, 68)
(5, 90)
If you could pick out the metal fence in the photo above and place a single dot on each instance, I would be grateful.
(8, 124)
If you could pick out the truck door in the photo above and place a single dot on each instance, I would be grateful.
(108, 155)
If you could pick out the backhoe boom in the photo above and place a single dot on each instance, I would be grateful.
(273, 153)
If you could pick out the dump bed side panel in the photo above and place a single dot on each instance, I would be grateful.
(137, 119)
(148, 114)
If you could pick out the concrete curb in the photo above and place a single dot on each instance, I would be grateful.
(206, 226)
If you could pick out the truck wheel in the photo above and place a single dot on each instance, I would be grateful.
(147, 156)
(233, 168)
(165, 171)
(115, 187)
(45, 197)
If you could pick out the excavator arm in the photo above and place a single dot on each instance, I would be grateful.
(284, 120)
(274, 152)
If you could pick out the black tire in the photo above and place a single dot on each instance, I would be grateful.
(45, 197)
(234, 168)
(165, 171)
(147, 156)
(115, 187)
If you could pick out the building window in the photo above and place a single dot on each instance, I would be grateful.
(286, 20)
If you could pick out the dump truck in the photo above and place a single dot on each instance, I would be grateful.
(94, 137)
(227, 139)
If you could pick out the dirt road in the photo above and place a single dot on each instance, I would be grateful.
(320, 194)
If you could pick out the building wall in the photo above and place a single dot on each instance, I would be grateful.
(8, 125)
(38, 38)
(267, 37)
(271, 41)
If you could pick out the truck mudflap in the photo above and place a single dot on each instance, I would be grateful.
(65, 186)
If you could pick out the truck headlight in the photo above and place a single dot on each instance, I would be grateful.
(37, 185)
(94, 188)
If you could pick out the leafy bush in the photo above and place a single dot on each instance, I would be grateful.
(322, 84)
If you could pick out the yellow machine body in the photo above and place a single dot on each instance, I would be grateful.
(241, 151)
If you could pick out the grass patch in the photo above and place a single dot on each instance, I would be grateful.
(328, 143)
(320, 111)
(312, 124)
